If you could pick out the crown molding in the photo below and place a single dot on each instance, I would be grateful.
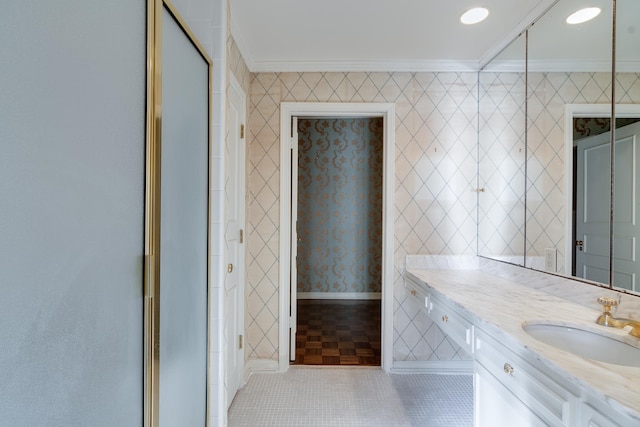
(365, 66)
(563, 66)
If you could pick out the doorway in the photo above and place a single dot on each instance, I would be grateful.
(592, 187)
(288, 290)
(337, 229)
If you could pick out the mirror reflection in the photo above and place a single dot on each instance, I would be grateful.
(570, 217)
(501, 106)
(569, 64)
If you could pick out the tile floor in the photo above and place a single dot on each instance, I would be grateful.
(353, 396)
(338, 332)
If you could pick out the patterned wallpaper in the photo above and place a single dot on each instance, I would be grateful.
(237, 66)
(436, 166)
(340, 205)
(589, 126)
(435, 172)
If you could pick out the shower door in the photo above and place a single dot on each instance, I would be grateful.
(179, 226)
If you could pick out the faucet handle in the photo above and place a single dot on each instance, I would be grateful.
(605, 318)
(607, 303)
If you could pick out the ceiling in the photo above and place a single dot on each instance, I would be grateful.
(374, 35)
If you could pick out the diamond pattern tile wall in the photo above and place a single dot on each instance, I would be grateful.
(435, 209)
(237, 66)
(435, 170)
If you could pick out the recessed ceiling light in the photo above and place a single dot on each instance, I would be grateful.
(583, 15)
(475, 15)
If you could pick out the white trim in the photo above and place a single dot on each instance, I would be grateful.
(578, 66)
(326, 109)
(560, 66)
(259, 366)
(582, 110)
(438, 65)
(340, 295)
(452, 367)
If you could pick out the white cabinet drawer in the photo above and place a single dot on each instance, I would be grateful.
(417, 294)
(496, 406)
(594, 413)
(452, 323)
(548, 400)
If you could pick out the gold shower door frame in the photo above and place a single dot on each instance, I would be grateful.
(152, 200)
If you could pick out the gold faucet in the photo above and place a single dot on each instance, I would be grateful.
(606, 319)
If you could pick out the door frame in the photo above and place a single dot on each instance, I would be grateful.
(327, 109)
(572, 111)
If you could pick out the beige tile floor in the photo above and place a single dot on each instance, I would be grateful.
(353, 396)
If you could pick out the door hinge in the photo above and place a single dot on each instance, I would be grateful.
(241, 236)
(241, 131)
(149, 276)
(240, 342)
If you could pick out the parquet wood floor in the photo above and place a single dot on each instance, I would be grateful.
(338, 332)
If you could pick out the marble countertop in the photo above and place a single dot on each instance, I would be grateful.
(501, 306)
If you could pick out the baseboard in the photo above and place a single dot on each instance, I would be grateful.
(260, 366)
(452, 367)
(339, 295)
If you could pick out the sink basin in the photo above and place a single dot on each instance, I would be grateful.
(587, 344)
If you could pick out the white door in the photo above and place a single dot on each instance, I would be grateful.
(626, 227)
(593, 213)
(593, 187)
(234, 238)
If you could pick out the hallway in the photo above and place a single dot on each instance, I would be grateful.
(338, 332)
(347, 396)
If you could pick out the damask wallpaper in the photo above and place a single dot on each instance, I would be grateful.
(589, 126)
(340, 205)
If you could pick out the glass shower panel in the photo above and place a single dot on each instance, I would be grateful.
(183, 230)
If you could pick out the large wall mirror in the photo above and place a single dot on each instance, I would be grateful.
(572, 225)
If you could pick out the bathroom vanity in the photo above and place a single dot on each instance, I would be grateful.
(520, 380)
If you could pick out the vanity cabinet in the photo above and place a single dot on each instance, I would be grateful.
(451, 322)
(502, 376)
(513, 386)
(418, 295)
(448, 318)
